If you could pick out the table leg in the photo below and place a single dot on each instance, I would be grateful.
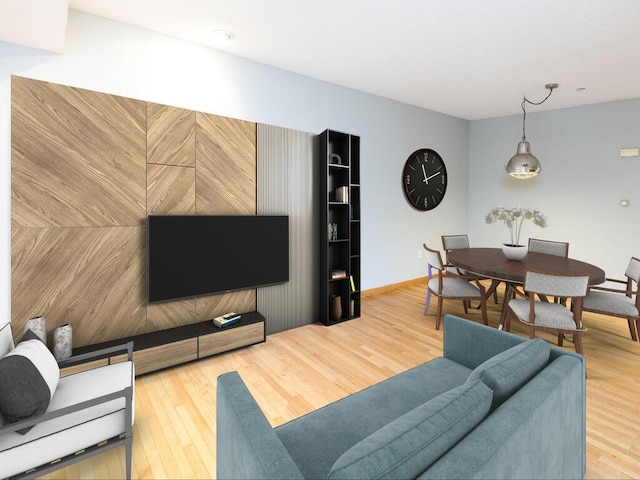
(492, 287)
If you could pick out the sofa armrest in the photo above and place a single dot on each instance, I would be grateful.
(247, 445)
(469, 343)
(98, 354)
(127, 393)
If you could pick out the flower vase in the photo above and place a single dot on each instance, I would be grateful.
(335, 308)
(62, 341)
(514, 252)
(38, 325)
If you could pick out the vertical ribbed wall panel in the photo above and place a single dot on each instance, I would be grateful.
(286, 187)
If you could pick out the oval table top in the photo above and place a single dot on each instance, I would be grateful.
(491, 262)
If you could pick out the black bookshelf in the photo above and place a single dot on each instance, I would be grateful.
(339, 190)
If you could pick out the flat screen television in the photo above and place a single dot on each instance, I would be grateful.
(192, 255)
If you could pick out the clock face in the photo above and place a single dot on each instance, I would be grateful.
(424, 179)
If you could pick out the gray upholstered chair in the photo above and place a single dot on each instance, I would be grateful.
(456, 242)
(560, 249)
(553, 317)
(49, 422)
(550, 247)
(618, 302)
(450, 286)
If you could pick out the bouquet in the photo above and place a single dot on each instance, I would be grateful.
(514, 217)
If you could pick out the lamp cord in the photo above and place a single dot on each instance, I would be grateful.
(526, 100)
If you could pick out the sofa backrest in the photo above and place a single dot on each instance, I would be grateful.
(6, 339)
(545, 419)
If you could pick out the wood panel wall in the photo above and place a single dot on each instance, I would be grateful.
(86, 169)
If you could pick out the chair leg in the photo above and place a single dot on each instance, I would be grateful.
(577, 341)
(638, 328)
(128, 447)
(532, 332)
(439, 314)
(560, 339)
(483, 306)
(427, 301)
(632, 329)
(465, 304)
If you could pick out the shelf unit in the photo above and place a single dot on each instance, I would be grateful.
(339, 202)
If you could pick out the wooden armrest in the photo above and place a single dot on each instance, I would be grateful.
(127, 393)
(98, 354)
(608, 289)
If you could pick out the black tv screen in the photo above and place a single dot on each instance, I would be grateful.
(191, 255)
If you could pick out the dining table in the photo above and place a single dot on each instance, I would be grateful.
(492, 264)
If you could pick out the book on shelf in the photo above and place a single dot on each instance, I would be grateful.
(338, 274)
(353, 285)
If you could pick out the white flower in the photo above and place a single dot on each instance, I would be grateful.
(513, 218)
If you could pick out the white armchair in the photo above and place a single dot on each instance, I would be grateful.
(88, 413)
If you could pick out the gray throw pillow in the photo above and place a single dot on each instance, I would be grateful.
(29, 377)
(407, 446)
(506, 372)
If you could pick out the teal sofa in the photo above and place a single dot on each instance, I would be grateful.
(495, 405)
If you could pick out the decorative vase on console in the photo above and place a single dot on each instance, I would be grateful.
(38, 325)
(513, 218)
(335, 308)
(62, 342)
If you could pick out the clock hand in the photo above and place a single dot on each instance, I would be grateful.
(426, 180)
(434, 175)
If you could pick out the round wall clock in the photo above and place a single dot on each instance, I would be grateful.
(424, 179)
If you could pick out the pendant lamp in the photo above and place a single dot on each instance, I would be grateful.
(523, 164)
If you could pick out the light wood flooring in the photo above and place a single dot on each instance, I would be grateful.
(300, 370)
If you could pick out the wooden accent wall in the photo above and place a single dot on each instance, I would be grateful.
(86, 169)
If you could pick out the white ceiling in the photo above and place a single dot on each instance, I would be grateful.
(468, 58)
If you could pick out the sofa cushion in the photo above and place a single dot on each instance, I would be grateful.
(29, 376)
(316, 440)
(410, 444)
(506, 372)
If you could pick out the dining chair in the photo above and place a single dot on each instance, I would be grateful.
(455, 242)
(550, 247)
(451, 286)
(560, 249)
(547, 316)
(449, 242)
(618, 302)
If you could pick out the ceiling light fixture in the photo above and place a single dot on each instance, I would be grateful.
(523, 164)
(218, 35)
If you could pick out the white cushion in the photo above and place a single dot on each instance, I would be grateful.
(65, 435)
(553, 315)
(454, 287)
(28, 379)
(610, 302)
(6, 339)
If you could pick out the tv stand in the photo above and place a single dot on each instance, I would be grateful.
(167, 348)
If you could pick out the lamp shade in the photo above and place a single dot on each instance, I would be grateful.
(523, 164)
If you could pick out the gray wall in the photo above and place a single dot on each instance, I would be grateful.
(286, 187)
(582, 182)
